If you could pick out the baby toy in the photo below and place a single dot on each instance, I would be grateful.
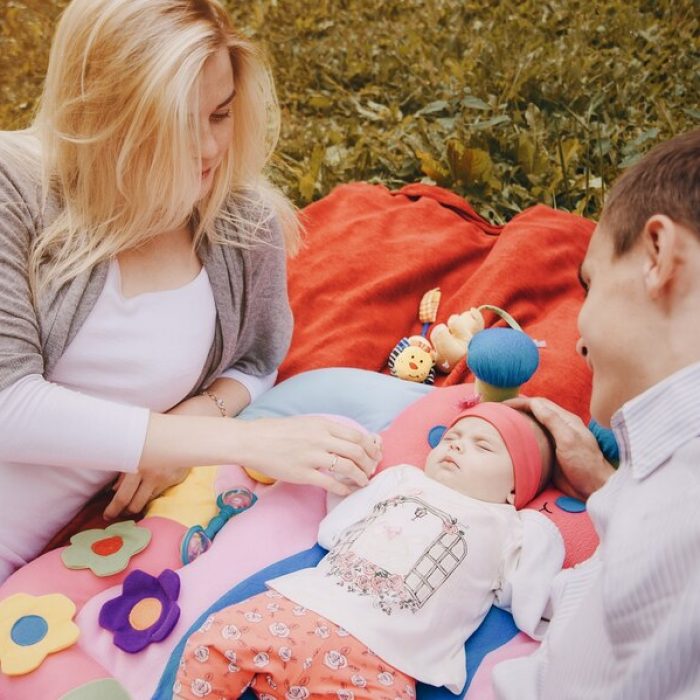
(413, 358)
(502, 359)
(606, 441)
(197, 539)
(416, 357)
(450, 340)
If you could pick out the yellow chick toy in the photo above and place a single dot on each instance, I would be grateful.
(450, 341)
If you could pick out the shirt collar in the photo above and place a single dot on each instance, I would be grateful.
(653, 425)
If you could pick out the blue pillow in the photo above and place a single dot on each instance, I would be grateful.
(372, 399)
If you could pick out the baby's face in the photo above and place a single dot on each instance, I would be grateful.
(472, 458)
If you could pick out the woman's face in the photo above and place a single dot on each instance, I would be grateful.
(216, 92)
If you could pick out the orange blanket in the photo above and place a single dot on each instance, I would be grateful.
(371, 254)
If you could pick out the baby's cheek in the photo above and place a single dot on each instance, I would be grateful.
(438, 472)
(432, 459)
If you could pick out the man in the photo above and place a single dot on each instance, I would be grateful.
(626, 623)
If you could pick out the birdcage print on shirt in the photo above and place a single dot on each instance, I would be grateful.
(421, 574)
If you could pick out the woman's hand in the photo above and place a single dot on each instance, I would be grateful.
(133, 492)
(304, 449)
(299, 449)
(580, 467)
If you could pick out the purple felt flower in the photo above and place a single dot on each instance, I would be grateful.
(145, 612)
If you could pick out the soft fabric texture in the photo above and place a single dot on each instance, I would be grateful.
(371, 254)
(340, 390)
(285, 650)
(518, 435)
(626, 623)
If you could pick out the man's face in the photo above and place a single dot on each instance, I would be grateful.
(472, 458)
(613, 324)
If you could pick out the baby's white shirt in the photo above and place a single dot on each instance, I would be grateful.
(415, 566)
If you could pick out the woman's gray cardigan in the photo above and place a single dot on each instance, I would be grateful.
(253, 318)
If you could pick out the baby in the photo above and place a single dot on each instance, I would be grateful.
(415, 561)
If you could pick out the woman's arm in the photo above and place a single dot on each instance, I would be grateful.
(234, 395)
(130, 491)
(44, 423)
(292, 449)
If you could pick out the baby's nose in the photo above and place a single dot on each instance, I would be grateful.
(456, 446)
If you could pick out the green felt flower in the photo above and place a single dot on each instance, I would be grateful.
(106, 552)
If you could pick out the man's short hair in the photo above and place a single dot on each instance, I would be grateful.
(666, 181)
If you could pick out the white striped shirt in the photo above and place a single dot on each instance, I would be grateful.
(626, 623)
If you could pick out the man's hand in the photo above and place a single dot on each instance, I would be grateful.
(581, 468)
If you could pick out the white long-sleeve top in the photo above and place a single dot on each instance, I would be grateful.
(65, 436)
(414, 567)
(626, 623)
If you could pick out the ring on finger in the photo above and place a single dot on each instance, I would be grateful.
(334, 462)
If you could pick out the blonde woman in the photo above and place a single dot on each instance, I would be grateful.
(142, 273)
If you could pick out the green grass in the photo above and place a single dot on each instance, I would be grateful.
(508, 103)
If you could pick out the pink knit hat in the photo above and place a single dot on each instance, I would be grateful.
(520, 441)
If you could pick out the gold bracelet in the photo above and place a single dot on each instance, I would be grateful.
(219, 402)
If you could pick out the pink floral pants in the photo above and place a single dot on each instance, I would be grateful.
(283, 652)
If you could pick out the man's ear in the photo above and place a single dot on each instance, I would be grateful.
(660, 239)
(510, 498)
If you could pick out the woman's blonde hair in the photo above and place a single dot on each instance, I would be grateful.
(118, 124)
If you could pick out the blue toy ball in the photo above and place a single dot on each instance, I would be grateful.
(504, 358)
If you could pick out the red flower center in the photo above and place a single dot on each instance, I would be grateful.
(107, 546)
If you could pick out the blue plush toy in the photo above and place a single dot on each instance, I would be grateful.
(502, 359)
